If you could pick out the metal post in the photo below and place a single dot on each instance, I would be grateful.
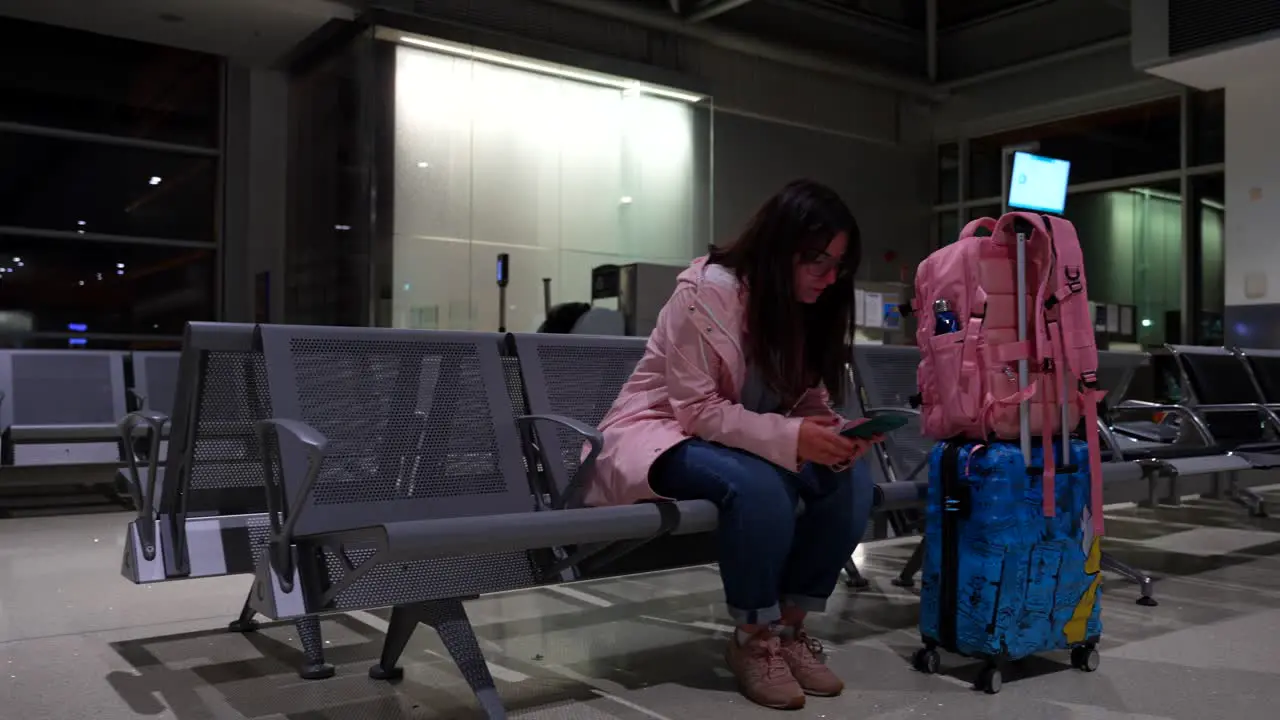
(1190, 300)
(502, 308)
(931, 39)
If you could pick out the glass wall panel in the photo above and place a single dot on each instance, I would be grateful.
(948, 227)
(1119, 143)
(1209, 192)
(110, 154)
(948, 173)
(88, 187)
(61, 78)
(1132, 244)
(561, 169)
(105, 287)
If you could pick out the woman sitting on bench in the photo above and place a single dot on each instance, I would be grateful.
(730, 404)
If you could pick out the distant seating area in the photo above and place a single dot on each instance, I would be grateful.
(60, 409)
(362, 468)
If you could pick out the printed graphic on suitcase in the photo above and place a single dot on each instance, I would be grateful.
(1000, 580)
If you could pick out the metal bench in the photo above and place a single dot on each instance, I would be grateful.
(203, 512)
(402, 476)
(1232, 413)
(59, 412)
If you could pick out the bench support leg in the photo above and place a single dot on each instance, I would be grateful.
(449, 619)
(246, 622)
(313, 647)
(1249, 499)
(907, 578)
(404, 620)
(1129, 572)
(1245, 497)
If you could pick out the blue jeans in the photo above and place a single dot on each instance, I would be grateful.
(768, 554)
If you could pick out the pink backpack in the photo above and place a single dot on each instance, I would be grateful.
(968, 378)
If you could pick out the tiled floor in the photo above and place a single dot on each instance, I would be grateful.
(78, 641)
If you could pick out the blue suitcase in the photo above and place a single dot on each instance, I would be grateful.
(1000, 581)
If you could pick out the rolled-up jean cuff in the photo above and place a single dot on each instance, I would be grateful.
(805, 603)
(761, 616)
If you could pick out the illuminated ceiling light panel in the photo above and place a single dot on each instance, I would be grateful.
(629, 87)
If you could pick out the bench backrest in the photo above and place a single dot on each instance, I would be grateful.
(419, 425)
(214, 461)
(886, 377)
(1116, 370)
(1265, 366)
(155, 377)
(61, 387)
(578, 376)
(1217, 376)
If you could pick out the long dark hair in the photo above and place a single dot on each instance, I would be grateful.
(795, 346)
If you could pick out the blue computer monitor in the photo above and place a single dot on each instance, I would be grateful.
(1038, 183)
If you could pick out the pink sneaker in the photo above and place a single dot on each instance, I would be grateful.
(804, 657)
(762, 673)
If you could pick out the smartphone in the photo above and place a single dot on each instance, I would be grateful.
(878, 425)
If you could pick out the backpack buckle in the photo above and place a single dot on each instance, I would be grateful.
(1072, 275)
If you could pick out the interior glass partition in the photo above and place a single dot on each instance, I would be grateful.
(560, 168)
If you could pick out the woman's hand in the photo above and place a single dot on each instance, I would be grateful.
(877, 438)
(820, 443)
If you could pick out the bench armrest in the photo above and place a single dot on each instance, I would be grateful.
(1196, 421)
(315, 445)
(1110, 438)
(588, 433)
(144, 499)
(900, 495)
(1267, 413)
(313, 439)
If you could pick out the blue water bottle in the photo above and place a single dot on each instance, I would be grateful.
(944, 320)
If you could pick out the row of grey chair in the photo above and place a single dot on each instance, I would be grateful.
(59, 408)
(418, 427)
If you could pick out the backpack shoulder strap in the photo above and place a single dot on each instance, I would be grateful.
(973, 227)
(1078, 346)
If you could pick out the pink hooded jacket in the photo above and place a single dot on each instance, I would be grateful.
(688, 384)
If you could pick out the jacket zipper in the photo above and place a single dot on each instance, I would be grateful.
(948, 604)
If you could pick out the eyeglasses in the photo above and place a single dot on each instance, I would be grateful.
(821, 264)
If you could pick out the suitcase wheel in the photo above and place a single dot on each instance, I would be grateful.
(927, 661)
(991, 680)
(1085, 658)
